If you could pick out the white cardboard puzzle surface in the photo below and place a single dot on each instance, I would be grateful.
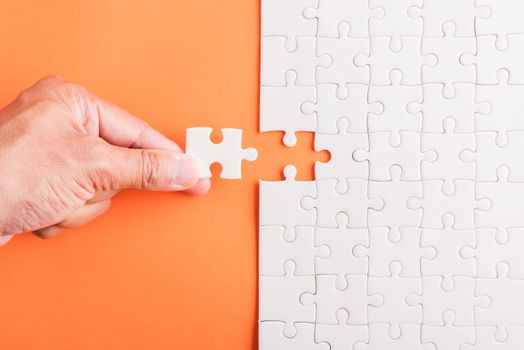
(229, 152)
(412, 235)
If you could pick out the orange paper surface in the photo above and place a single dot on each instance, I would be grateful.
(159, 270)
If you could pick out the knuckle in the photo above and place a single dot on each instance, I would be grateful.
(92, 156)
(150, 169)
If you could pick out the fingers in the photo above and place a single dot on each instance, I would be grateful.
(80, 217)
(116, 168)
(85, 214)
(48, 232)
(101, 118)
(5, 239)
(102, 196)
(201, 188)
(119, 127)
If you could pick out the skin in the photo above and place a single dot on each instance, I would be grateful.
(64, 153)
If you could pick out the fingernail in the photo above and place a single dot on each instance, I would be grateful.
(186, 174)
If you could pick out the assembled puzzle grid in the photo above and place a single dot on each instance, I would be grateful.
(412, 235)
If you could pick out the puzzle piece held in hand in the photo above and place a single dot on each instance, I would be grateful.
(229, 153)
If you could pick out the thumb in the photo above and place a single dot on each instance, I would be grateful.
(156, 170)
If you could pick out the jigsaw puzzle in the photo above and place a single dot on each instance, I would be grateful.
(412, 234)
(229, 153)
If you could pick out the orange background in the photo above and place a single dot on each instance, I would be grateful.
(159, 270)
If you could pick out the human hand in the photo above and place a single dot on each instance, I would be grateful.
(65, 152)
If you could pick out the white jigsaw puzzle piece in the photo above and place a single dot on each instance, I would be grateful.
(505, 18)
(342, 335)
(341, 164)
(438, 12)
(329, 108)
(448, 166)
(435, 108)
(382, 156)
(271, 337)
(281, 108)
(492, 248)
(490, 59)
(489, 156)
(503, 196)
(461, 300)
(395, 214)
(330, 13)
(506, 112)
(381, 252)
(505, 294)
(279, 299)
(408, 59)
(462, 204)
(285, 18)
(395, 21)
(354, 202)
(276, 60)
(328, 299)
(394, 289)
(449, 260)
(343, 49)
(394, 99)
(341, 241)
(485, 339)
(449, 336)
(229, 153)
(275, 250)
(448, 51)
(379, 338)
(280, 202)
